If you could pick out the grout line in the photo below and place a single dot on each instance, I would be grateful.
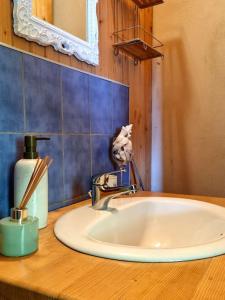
(11, 132)
(63, 167)
(62, 128)
(60, 64)
(113, 109)
(89, 105)
(91, 157)
(53, 133)
(61, 101)
(90, 139)
(23, 95)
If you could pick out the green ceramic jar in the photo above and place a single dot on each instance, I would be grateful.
(18, 238)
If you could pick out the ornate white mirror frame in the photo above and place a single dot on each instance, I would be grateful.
(33, 29)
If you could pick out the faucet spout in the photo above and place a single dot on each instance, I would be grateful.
(104, 202)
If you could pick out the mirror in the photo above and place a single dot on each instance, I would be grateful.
(70, 26)
(54, 12)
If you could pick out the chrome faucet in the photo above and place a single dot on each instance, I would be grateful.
(103, 203)
(101, 185)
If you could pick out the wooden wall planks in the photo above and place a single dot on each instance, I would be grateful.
(119, 68)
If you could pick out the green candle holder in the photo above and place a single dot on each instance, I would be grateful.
(18, 234)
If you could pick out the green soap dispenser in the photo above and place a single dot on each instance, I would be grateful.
(38, 204)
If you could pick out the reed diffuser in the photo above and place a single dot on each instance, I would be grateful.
(19, 233)
(40, 169)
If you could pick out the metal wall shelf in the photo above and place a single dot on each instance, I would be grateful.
(137, 42)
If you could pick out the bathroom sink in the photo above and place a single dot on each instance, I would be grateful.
(146, 229)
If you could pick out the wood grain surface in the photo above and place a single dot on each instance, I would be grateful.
(112, 16)
(58, 272)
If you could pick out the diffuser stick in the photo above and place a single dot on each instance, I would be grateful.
(36, 179)
(39, 171)
(36, 167)
(34, 172)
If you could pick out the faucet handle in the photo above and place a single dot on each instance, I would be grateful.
(102, 180)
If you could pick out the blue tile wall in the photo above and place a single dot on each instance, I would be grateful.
(101, 119)
(77, 165)
(101, 156)
(74, 88)
(42, 95)
(10, 146)
(120, 99)
(11, 91)
(81, 114)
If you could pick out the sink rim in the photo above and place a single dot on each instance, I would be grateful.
(82, 242)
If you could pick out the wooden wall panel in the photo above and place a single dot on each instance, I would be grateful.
(120, 68)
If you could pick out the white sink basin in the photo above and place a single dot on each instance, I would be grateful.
(146, 229)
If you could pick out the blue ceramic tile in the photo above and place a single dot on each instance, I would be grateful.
(11, 94)
(101, 105)
(53, 148)
(101, 154)
(120, 106)
(76, 117)
(42, 95)
(77, 165)
(11, 147)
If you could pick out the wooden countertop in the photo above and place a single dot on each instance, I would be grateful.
(57, 272)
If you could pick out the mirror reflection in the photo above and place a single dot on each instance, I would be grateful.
(54, 12)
